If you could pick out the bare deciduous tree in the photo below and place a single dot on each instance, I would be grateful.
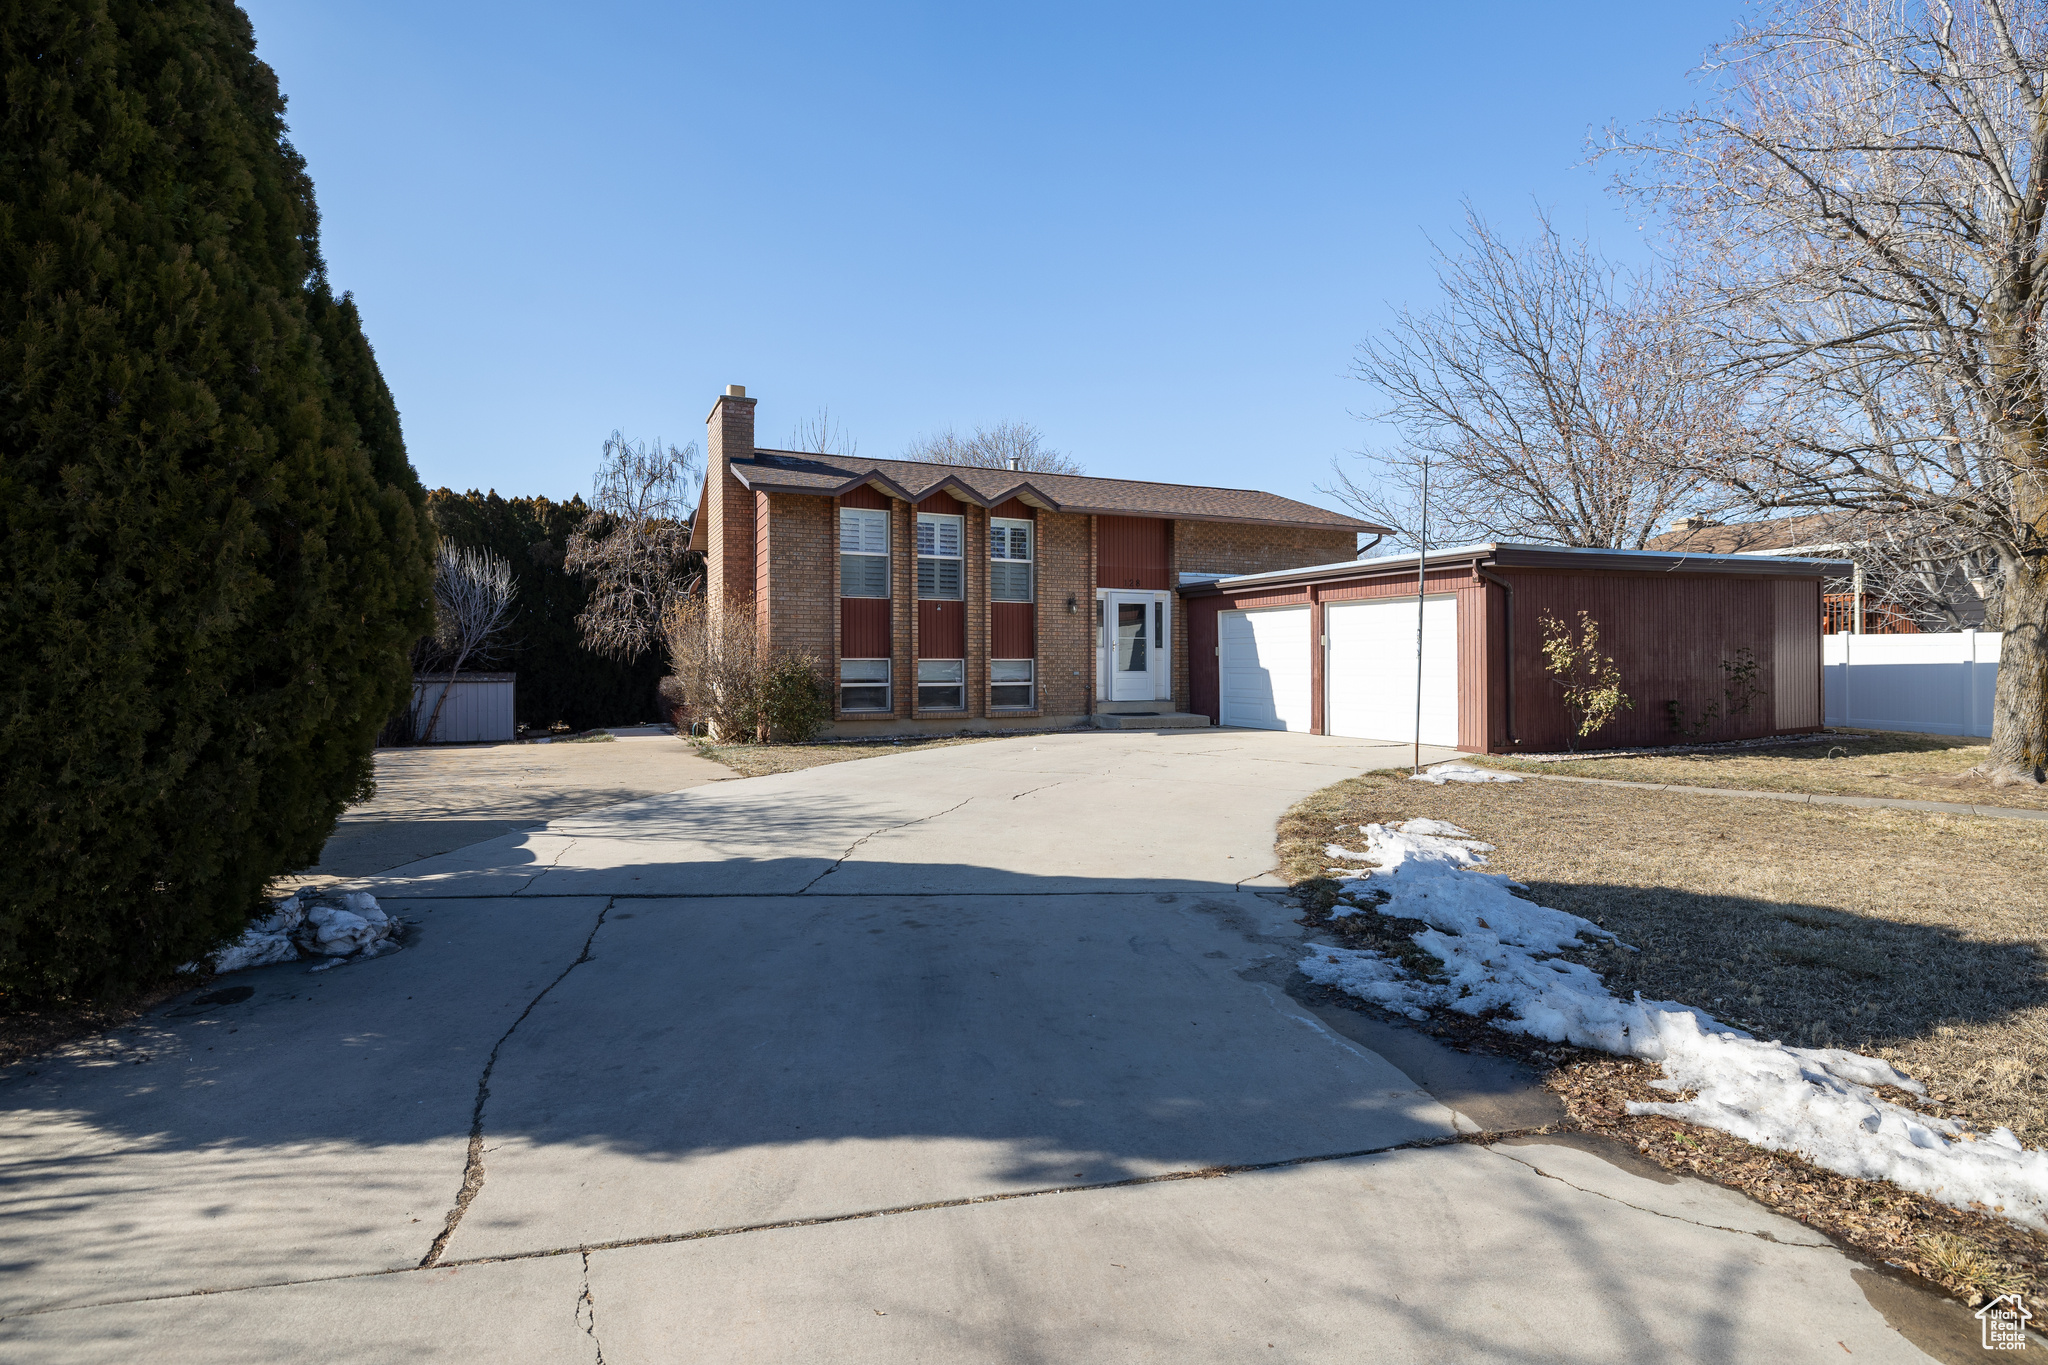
(1868, 180)
(473, 598)
(1006, 445)
(820, 435)
(635, 545)
(1547, 391)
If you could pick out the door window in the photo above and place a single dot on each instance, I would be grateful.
(1131, 654)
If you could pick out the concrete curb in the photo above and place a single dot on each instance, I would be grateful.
(1803, 798)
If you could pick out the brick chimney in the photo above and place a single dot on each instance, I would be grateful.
(728, 506)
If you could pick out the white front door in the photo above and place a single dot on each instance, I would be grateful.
(1135, 652)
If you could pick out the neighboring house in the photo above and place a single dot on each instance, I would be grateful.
(1855, 606)
(939, 594)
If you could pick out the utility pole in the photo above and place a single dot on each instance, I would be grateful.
(1421, 559)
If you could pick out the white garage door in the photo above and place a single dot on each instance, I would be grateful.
(1265, 668)
(1370, 669)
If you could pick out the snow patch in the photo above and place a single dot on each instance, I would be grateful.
(1497, 952)
(1460, 772)
(356, 927)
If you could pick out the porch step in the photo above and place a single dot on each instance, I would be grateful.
(1164, 720)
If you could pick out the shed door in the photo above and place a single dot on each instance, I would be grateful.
(1265, 668)
(1370, 669)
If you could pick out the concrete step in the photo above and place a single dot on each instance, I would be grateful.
(1164, 720)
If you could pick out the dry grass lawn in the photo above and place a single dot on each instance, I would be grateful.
(1853, 763)
(758, 760)
(1920, 938)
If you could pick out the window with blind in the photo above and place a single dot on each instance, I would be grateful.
(1012, 682)
(1010, 557)
(938, 555)
(863, 552)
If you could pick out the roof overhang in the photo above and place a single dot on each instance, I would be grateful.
(1495, 555)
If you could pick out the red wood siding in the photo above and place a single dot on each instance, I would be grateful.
(1013, 630)
(1669, 635)
(946, 503)
(863, 627)
(1132, 552)
(1798, 676)
(1474, 625)
(867, 495)
(941, 630)
(1014, 509)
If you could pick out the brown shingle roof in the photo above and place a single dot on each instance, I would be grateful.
(787, 471)
(1783, 533)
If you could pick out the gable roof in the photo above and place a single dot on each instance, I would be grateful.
(1822, 530)
(790, 471)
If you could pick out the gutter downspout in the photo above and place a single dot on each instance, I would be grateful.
(1509, 588)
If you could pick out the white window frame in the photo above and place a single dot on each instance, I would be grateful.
(880, 666)
(1029, 682)
(939, 523)
(939, 669)
(860, 529)
(1001, 533)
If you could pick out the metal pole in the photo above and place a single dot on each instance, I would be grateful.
(1421, 559)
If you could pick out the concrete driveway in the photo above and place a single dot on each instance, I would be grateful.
(931, 1057)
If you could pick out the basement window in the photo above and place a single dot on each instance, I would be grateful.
(863, 684)
(863, 552)
(942, 684)
(938, 555)
(1010, 558)
(1012, 683)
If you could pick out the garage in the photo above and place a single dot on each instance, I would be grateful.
(1263, 660)
(1369, 670)
(1330, 648)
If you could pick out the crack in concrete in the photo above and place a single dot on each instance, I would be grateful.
(586, 1311)
(1028, 790)
(906, 824)
(585, 1250)
(1659, 1213)
(542, 872)
(473, 1164)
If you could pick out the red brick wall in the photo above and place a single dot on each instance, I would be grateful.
(1066, 639)
(728, 514)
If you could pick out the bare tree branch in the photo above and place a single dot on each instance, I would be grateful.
(1551, 395)
(635, 545)
(1006, 445)
(1866, 185)
(473, 597)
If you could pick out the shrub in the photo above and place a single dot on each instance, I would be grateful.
(1588, 682)
(717, 668)
(794, 703)
(216, 553)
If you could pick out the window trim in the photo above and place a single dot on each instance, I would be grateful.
(959, 559)
(998, 527)
(886, 683)
(860, 516)
(1031, 684)
(958, 684)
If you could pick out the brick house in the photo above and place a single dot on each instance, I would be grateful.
(939, 595)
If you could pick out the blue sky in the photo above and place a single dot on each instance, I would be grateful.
(1156, 231)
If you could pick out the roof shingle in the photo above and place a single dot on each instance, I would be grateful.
(788, 471)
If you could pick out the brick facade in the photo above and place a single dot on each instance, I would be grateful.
(775, 552)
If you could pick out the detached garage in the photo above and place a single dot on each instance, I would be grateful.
(1331, 649)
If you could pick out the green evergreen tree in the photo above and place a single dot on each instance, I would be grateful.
(215, 553)
(559, 680)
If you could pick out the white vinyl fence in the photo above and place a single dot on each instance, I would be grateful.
(1935, 684)
(479, 709)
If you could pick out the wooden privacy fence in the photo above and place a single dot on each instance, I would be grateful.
(1934, 684)
(479, 708)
